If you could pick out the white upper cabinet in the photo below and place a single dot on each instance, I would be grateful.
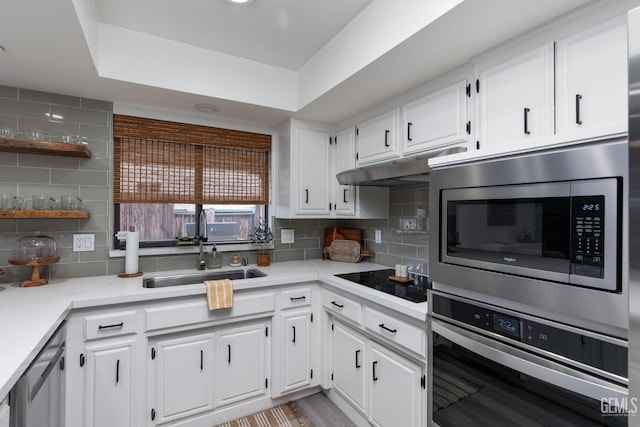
(591, 78)
(308, 161)
(303, 171)
(378, 138)
(436, 120)
(313, 173)
(344, 196)
(515, 98)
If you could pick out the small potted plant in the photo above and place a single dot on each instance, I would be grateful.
(262, 236)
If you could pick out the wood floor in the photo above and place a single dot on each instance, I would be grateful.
(322, 412)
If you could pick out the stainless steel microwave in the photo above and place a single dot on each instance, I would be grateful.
(543, 233)
(563, 231)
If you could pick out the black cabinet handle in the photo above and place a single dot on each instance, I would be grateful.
(337, 305)
(298, 298)
(229, 353)
(375, 378)
(357, 362)
(409, 124)
(344, 195)
(81, 360)
(526, 121)
(201, 360)
(294, 334)
(114, 326)
(578, 98)
(117, 371)
(393, 331)
(306, 196)
(386, 138)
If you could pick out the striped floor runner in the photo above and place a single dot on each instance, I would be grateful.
(287, 415)
(450, 383)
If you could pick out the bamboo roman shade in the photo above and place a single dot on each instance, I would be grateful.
(165, 162)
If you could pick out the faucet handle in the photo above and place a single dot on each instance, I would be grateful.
(245, 261)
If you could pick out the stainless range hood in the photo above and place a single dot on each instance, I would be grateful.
(393, 173)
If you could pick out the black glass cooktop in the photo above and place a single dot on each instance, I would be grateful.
(379, 279)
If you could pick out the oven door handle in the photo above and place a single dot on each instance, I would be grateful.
(530, 364)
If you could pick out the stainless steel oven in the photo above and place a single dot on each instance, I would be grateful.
(543, 233)
(492, 366)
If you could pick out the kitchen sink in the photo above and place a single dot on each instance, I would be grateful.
(190, 279)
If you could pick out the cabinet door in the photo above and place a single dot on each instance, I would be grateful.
(296, 360)
(241, 360)
(516, 98)
(395, 393)
(313, 171)
(345, 159)
(592, 77)
(437, 120)
(108, 385)
(181, 371)
(349, 363)
(378, 138)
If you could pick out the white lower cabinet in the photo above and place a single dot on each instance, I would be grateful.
(180, 376)
(100, 371)
(109, 384)
(296, 361)
(386, 387)
(349, 361)
(395, 390)
(241, 360)
(295, 355)
(128, 367)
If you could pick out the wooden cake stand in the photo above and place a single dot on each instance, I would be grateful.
(35, 264)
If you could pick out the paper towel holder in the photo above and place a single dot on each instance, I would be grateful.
(127, 275)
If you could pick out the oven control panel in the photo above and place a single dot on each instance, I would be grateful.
(539, 335)
(587, 246)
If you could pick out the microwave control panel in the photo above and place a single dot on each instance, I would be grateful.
(587, 250)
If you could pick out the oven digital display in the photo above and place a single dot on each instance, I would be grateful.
(506, 325)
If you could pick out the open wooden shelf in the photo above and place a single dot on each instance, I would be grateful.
(43, 147)
(23, 214)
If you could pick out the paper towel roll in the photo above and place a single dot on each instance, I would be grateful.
(131, 252)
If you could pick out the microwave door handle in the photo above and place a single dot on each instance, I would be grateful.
(530, 364)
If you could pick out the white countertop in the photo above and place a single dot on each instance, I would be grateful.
(29, 316)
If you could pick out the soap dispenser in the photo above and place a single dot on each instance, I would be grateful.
(215, 260)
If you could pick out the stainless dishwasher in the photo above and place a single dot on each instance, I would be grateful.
(37, 398)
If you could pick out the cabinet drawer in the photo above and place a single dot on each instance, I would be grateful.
(342, 306)
(298, 297)
(398, 331)
(197, 311)
(109, 325)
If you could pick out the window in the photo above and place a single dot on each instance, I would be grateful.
(165, 173)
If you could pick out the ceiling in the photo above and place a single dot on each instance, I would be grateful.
(323, 60)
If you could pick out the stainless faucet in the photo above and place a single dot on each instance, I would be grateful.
(202, 262)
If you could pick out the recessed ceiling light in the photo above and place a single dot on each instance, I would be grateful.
(243, 2)
(207, 108)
